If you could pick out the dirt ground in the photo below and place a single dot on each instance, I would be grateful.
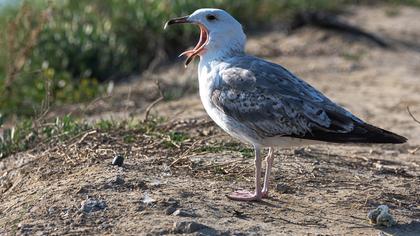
(72, 188)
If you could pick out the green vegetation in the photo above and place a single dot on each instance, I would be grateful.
(175, 139)
(56, 52)
(354, 56)
(59, 52)
(28, 133)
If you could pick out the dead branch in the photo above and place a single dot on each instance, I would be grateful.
(149, 108)
(83, 137)
(412, 152)
(18, 54)
(185, 155)
(412, 116)
(331, 21)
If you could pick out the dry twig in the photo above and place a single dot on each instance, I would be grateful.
(149, 108)
(418, 122)
(412, 116)
(186, 155)
(83, 137)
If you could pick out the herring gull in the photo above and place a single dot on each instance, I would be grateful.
(263, 103)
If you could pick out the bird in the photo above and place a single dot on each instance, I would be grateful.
(263, 103)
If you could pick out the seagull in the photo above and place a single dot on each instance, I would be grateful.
(262, 103)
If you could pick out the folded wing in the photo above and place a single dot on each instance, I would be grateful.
(273, 102)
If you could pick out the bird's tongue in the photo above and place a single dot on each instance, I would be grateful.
(198, 48)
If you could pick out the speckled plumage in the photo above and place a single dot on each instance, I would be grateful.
(262, 103)
(270, 103)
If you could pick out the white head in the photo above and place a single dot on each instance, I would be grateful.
(220, 34)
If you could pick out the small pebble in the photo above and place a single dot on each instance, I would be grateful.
(169, 210)
(381, 216)
(147, 199)
(51, 210)
(92, 205)
(183, 213)
(118, 160)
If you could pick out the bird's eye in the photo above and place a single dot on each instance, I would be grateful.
(211, 17)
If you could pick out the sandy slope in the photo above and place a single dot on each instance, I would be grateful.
(324, 190)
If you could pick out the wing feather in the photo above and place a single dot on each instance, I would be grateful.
(272, 101)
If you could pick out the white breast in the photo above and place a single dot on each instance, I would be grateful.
(208, 79)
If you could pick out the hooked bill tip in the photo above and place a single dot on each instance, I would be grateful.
(165, 26)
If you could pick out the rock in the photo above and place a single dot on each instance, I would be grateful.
(118, 160)
(92, 205)
(147, 199)
(187, 227)
(155, 183)
(381, 216)
(171, 209)
(183, 213)
(51, 210)
(172, 201)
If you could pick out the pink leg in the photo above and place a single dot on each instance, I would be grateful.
(242, 195)
(269, 163)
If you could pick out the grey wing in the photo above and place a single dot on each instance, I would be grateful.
(272, 101)
(270, 115)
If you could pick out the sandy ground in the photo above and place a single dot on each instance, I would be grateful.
(72, 188)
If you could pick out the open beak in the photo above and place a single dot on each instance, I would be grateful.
(199, 48)
(180, 20)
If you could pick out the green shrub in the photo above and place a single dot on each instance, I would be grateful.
(60, 50)
(27, 133)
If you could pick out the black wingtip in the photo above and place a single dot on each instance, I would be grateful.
(378, 135)
(361, 133)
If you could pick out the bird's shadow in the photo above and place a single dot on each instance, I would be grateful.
(407, 229)
(270, 202)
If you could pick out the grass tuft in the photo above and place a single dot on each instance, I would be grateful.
(30, 133)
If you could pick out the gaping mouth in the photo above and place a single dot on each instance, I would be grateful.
(199, 48)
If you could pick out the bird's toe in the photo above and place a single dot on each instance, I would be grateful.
(242, 195)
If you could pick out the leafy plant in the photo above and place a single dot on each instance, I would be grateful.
(56, 52)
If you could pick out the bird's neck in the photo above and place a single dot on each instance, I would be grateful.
(222, 47)
(217, 53)
(221, 54)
